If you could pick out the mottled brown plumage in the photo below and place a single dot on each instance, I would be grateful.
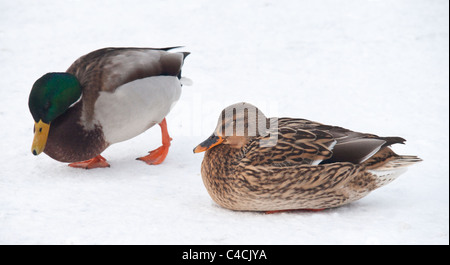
(311, 166)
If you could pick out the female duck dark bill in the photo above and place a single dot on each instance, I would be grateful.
(310, 166)
(105, 97)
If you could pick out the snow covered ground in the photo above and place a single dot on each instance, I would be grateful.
(376, 66)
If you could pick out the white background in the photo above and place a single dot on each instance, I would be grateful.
(371, 66)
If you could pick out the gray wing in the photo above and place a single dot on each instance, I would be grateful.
(109, 68)
(354, 147)
(310, 143)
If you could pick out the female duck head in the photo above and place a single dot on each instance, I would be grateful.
(51, 96)
(236, 125)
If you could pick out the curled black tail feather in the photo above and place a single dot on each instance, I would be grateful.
(392, 140)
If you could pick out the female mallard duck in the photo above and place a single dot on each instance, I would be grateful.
(257, 164)
(105, 97)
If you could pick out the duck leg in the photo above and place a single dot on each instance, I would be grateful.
(158, 155)
(98, 161)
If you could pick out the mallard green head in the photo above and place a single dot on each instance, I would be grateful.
(51, 96)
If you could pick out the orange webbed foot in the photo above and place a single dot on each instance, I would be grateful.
(158, 155)
(96, 162)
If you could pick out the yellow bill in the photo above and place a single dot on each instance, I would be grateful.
(41, 130)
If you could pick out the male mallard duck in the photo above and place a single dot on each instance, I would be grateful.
(257, 164)
(105, 97)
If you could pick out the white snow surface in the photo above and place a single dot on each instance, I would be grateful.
(376, 66)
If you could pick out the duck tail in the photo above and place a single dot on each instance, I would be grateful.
(400, 162)
(183, 80)
(169, 48)
(186, 81)
(393, 169)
